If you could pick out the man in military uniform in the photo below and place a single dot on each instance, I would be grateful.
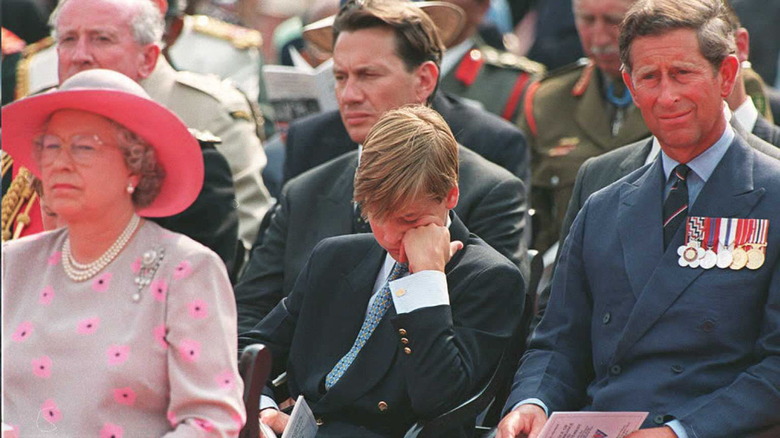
(204, 103)
(577, 112)
(495, 79)
(208, 45)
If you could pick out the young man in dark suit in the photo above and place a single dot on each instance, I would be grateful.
(384, 59)
(385, 329)
(658, 304)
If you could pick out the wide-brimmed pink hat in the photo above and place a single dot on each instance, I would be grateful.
(114, 96)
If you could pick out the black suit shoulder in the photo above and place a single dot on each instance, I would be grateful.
(486, 134)
(314, 140)
(767, 131)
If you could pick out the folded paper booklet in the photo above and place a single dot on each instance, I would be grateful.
(295, 92)
(592, 424)
(301, 424)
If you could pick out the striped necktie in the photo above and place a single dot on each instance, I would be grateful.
(676, 204)
(375, 313)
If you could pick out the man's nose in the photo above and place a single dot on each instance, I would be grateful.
(604, 34)
(668, 91)
(351, 92)
(81, 51)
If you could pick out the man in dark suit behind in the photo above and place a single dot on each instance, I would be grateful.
(316, 139)
(370, 364)
(646, 314)
(318, 203)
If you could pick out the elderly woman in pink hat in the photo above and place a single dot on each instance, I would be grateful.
(112, 325)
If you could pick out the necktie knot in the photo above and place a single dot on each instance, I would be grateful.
(681, 172)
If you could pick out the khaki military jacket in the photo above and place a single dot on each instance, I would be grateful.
(566, 122)
(207, 103)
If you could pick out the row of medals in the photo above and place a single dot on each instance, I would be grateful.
(748, 255)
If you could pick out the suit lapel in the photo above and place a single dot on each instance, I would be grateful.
(635, 159)
(334, 206)
(639, 219)
(377, 355)
(728, 193)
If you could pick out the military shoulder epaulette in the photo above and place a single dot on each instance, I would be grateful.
(224, 91)
(505, 59)
(240, 37)
(17, 202)
(43, 43)
(205, 137)
(568, 68)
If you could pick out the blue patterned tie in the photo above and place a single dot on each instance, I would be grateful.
(375, 313)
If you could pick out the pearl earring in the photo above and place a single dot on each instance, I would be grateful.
(130, 188)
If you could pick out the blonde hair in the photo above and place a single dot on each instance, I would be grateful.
(408, 155)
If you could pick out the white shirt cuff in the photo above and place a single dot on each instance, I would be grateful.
(267, 402)
(534, 401)
(421, 289)
(678, 428)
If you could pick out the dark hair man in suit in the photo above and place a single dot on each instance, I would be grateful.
(370, 364)
(317, 139)
(658, 304)
(373, 75)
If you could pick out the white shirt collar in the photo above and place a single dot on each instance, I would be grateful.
(747, 114)
(454, 54)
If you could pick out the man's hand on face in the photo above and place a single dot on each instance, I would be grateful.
(525, 421)
(428, 247)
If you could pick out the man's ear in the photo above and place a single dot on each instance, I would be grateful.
(148, 60)
(742, 37)
(728, 72)
(629, 84)
(427, 76)
(452, 198)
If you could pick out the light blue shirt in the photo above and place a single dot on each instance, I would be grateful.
(701, 166)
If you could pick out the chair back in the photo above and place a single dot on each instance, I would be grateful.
(254, 367)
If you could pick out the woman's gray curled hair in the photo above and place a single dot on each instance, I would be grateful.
(141, 160)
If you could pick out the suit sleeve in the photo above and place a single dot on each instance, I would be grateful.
(449, 351)
(212, 219)
(575, 204)
(557, 368)
(244, 152)
(276, 330)
(261, 285)
(499, 218)
(517, 156)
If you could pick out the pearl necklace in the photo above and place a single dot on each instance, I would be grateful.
(80, 272)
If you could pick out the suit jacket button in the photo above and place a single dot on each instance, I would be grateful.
(615, 370)
(404, 341)
(658, 419)
(402, 332)
(677, 368)
(382, 406)
(319, 421)
(607, 318)
(407, 350)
